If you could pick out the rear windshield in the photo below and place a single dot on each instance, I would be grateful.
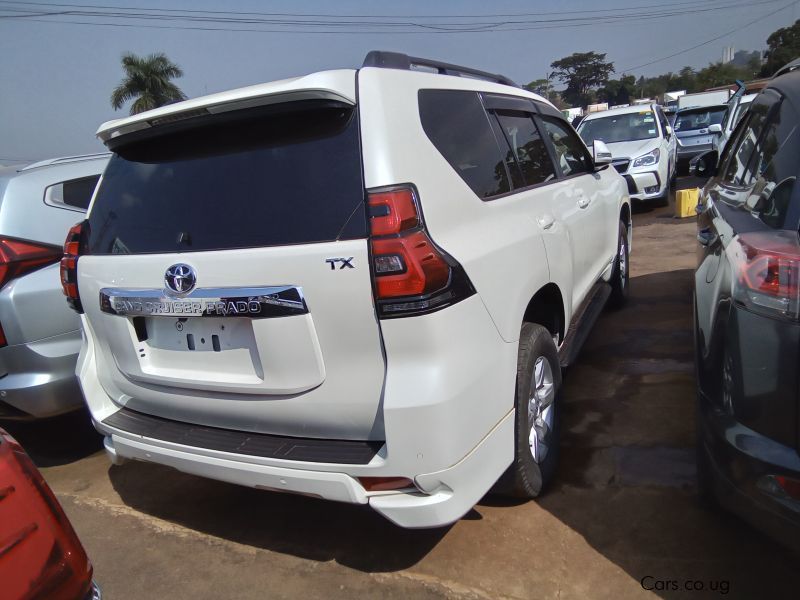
(626, 127)
(267, 180)
(699, 118)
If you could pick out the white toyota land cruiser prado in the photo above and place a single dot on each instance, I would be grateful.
(360, 285)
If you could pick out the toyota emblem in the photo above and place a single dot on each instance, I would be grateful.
(180, 278)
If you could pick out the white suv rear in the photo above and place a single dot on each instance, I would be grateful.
(357, 284)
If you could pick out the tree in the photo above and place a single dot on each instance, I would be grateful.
(543, 87)
(147, 82)
(783, 46)
(583, 72)
(618, 91)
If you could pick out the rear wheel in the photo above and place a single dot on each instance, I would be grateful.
(538, 407)
(620, 277)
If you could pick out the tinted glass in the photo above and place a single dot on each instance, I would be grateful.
(773, 168)
(571, 154)
(627, 127)
(76, 193)
(738, 170)
(699, 118)
(258, 181)
(456, 123)
(528, 147)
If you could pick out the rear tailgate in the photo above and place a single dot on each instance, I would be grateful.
(278, 333)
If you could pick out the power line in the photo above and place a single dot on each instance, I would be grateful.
(714, 39)
(604, 10)
(369, 27)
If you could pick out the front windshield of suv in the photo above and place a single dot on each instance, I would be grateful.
(699, 118)
(627, 127)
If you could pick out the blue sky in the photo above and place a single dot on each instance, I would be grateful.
(56, 78)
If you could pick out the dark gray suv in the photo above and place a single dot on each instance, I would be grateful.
(747, 316)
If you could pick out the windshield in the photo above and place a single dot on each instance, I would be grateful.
(699, 118)
(628, 127)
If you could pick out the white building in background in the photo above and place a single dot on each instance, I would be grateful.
(727, 54)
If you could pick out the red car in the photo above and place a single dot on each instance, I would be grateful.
(40, 554)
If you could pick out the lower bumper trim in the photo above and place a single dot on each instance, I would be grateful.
(346, 452)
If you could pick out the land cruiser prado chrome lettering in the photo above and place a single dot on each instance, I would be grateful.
(360, 285)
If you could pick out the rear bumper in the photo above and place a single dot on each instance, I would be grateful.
(38, 378)
(447, 412)
(440, 498)
(741, 460)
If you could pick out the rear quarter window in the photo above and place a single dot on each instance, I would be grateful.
(458, 126)
(263, 179)
(72, 194)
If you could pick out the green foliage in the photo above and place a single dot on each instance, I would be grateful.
(783, 46)
(583, 72)
(147, 82)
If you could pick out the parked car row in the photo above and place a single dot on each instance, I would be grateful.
(363, 285)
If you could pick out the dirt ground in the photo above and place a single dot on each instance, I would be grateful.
(622, 515)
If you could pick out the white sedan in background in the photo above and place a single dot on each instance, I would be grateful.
(643, 147)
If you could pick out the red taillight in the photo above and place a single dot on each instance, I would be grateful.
(408, 265)
(69, 266)
(18, 257)
(405, 260)
(768, 278)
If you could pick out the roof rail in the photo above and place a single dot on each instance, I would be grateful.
(64, 159)
(396, 60)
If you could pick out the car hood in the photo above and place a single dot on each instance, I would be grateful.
(632, 149)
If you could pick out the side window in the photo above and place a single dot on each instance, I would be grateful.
(73, 194)
(528, 148)
(571, 154)
(774, 167)
(459, 128)
(739, 169)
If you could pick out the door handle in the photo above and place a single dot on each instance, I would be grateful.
(545, 221)
(583, 202)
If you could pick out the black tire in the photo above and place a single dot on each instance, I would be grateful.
(620, 276)
(527, 478)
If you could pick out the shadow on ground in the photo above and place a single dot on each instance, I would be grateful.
(627, 472)
(58, 440)
(354, 536)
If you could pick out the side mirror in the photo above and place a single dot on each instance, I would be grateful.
(704, 165)
(668, 130)
(715, 128)
(601, 154)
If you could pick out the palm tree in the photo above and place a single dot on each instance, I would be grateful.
(147, 79)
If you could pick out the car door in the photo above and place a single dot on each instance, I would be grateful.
(583, 202)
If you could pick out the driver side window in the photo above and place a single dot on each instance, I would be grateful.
(571, 154)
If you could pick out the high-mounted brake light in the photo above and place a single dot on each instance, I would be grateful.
(768, 278)
(69, 266)
(412, 275)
